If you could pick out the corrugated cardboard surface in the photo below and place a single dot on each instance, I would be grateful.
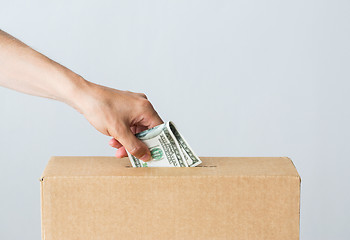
(227, 198)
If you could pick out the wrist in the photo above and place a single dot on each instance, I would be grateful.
(77, 92)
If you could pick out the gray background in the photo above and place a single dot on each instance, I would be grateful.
(239, 78)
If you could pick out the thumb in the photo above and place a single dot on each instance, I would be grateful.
(132, 144)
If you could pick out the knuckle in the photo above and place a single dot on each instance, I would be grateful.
(151, 114)
(145, 104)
(143, 95)
(137, 151)
(118, 132)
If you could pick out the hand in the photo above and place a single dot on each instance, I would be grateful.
(120, 114)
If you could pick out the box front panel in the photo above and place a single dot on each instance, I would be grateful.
(106, 208)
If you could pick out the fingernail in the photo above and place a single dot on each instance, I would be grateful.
(146, 157)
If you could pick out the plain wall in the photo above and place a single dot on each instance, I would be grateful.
(239, 78)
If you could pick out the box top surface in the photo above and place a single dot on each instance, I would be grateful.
(211, 166)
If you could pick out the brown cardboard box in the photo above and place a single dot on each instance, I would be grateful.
(103, 198)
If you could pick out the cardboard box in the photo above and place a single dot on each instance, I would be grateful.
(103, 198)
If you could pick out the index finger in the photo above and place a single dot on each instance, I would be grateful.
(155, 120)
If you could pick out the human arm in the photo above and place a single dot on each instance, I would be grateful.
(113, 112)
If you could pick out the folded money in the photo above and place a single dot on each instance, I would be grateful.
(168, 148)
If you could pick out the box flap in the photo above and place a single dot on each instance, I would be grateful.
(211, 166)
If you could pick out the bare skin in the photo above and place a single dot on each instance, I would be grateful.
(115, 113)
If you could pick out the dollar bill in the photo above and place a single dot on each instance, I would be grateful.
(168, 148)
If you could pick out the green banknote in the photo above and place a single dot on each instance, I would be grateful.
(168, 148)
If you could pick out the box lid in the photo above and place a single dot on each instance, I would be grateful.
(212, 166)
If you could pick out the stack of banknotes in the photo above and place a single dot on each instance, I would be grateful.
(168, 148)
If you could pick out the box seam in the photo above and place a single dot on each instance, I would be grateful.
(217, 176)
(42, 208)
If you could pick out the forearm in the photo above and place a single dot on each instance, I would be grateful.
(26, 70)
